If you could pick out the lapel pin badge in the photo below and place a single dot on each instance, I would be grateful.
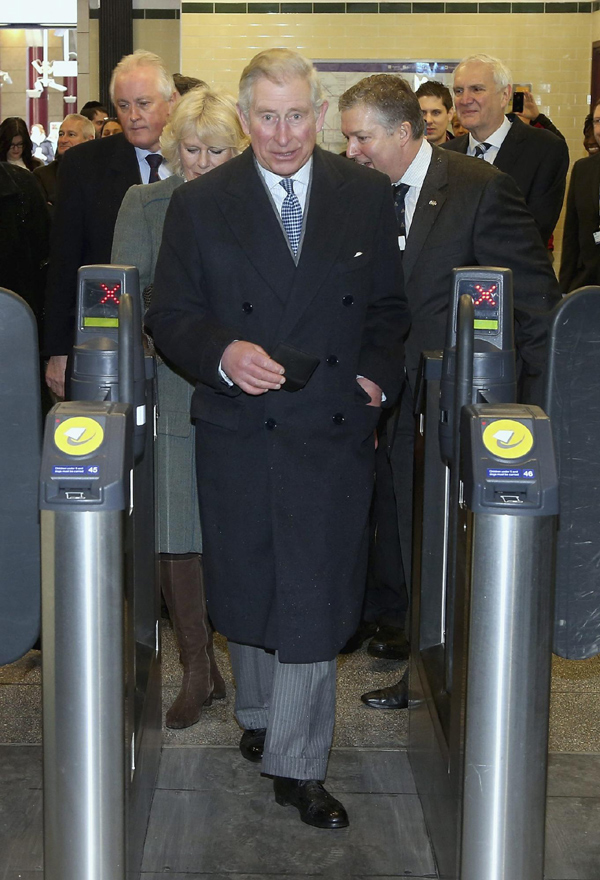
(432, 202)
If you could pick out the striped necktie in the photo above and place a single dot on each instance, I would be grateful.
(481, 150)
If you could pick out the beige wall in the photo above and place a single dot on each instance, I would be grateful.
(552, 51)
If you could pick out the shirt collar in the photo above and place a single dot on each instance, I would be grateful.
(496, 139)
(302, 176)
(416, 171)
(141, 154)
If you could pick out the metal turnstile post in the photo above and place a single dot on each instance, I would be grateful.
(84, 495)
(509, 513)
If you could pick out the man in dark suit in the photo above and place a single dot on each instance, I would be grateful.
(93, 179)
(580, 261)
(452, 212)
(281, 268)
(536, 159)
(74, 129)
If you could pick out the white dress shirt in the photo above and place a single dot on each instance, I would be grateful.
(495, 140)
(301, 183)
(414, 177)
(163, 171)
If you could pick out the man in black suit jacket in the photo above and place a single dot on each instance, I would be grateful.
(74, 129)
(93, 179)
(281, 261)
(580, 261)
(536, 159)
(457, 212)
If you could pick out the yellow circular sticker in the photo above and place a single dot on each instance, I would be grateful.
(79, 435)
(507, 438)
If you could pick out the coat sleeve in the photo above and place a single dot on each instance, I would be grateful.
(388, 319)
(570, 242)
(547, 191)
(179, 318)
(66, 250)
(504, 226)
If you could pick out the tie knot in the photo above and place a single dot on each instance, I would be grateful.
(400, 189)
(154, 160)
(481, 150)
(288, 184)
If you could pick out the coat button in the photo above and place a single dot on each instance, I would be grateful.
(348, 300)
(247, 307)
(338, 418)
(332, 360)
(270, 424)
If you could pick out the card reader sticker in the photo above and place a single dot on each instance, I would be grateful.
(75, 470)
(507, 438)
(79, 435)
(510, 474)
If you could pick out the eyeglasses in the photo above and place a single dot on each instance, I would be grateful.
(20, 144)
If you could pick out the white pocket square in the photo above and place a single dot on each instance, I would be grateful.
(358, 254)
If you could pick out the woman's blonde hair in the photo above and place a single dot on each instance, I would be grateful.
(208, 115)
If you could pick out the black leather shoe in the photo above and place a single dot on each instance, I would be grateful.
(389, 643)
(315, 805)
(365, 631)
(252, 744)
(393, 697)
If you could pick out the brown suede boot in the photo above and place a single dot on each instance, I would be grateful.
(183, 588)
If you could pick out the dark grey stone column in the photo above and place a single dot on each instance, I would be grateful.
(116, 40)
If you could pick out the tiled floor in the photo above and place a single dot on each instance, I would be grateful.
(214, 816)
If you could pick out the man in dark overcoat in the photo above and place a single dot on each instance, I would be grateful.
(284, 245)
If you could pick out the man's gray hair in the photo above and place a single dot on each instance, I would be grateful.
(500, 72)
(142, 58)
(87, 128)
(279, 66)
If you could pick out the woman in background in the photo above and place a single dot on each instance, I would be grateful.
(203, 132)
(111, 126)
(15, 144)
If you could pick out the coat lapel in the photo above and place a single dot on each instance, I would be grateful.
(509, 152)
(323, 237)
(429, 205)
(251, 217)
(124, 161)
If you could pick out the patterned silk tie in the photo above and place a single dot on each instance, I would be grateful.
(400, 191)
(291, 214)
(481, 150)
(154, 160)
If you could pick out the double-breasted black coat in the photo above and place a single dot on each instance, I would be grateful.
(285, 479)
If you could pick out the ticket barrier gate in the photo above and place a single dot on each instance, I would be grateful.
(100, 609)
(481, 618)
(572, 389)
(20, 453)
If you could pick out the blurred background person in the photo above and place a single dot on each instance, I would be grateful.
(111, 126)
(435, 101)
(96, 113)
(580, 257)
(203, 133)
(458, 128)
(590, 144)
(74, 129)
(43, 148)
(185, 84)
(15, 144)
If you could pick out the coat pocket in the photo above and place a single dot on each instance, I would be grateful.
(217, 409)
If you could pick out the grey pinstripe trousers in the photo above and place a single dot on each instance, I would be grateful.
(296, 704)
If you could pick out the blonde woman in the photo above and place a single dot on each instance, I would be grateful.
(203, 132)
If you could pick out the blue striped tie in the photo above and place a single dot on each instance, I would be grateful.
(291, 214)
